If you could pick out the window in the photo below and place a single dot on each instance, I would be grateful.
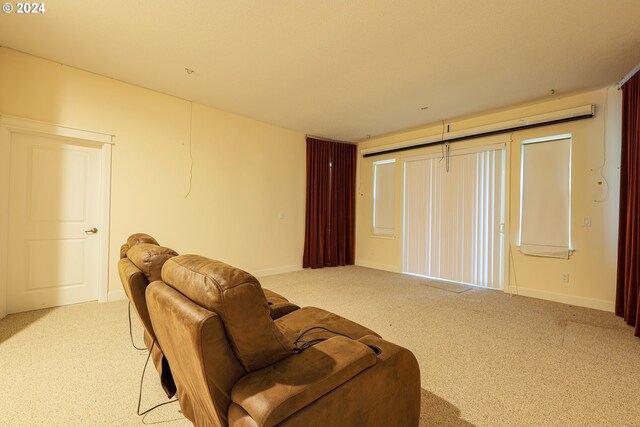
(384, 194)
(545, 196)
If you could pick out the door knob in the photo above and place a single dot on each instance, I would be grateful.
(92, 231)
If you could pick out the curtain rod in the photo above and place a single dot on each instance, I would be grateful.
(330, 140)
(629, 75)
(478, 135)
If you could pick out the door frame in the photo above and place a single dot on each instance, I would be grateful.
(103, 141)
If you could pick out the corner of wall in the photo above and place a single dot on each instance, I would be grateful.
(116, 296)
(5, 155)
(378, 266)
(276, 270)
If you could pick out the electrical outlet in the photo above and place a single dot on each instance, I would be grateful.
(587, 221)
(564, 278)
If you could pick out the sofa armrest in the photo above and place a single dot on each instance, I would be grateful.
(279, 309)
(135, 284)
(272, 394)
(279, 305)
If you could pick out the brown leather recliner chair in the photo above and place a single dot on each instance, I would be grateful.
(236, 366)
(141, 261)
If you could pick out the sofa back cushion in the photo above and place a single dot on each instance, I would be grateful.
(202, 362)
(136, 239)
(237, 297)
(150, 258)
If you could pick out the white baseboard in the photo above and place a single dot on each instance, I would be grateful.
(598, 304)
(116, 295)
(377, 266)
(276, 270)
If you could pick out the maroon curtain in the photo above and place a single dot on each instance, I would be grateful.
(628, 280)
(330, 218)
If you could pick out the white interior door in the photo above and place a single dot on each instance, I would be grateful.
(54, 203)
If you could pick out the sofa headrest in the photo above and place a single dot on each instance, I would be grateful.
(150, 258)
(136, 239)
(237, 297)
(123, 250)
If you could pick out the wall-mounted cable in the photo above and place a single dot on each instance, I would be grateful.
(190, 152)
(448, 149)
(445, 148)
(442, 139)
(604, 151)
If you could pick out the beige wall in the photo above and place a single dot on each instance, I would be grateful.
(246, 174)
(592, 268)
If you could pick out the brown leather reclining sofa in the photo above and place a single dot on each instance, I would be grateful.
(141, 261)
(235, 363)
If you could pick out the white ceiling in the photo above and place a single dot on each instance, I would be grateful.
(342, 69)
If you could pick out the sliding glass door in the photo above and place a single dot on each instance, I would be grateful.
(454, 215)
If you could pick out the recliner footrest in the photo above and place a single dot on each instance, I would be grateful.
(273, 393)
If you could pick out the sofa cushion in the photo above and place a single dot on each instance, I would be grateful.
(274, 393)
(237, 297)
(150, 258)
(319, 323)
(135, 284)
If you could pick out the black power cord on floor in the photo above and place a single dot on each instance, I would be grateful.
(142, 380)
(131, 333)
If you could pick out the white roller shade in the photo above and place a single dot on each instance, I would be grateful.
(545, 207)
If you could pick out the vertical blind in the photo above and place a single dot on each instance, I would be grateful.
(453, 218)
(545, 197)
(384, 193)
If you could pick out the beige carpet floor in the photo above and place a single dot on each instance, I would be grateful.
(486, 358)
